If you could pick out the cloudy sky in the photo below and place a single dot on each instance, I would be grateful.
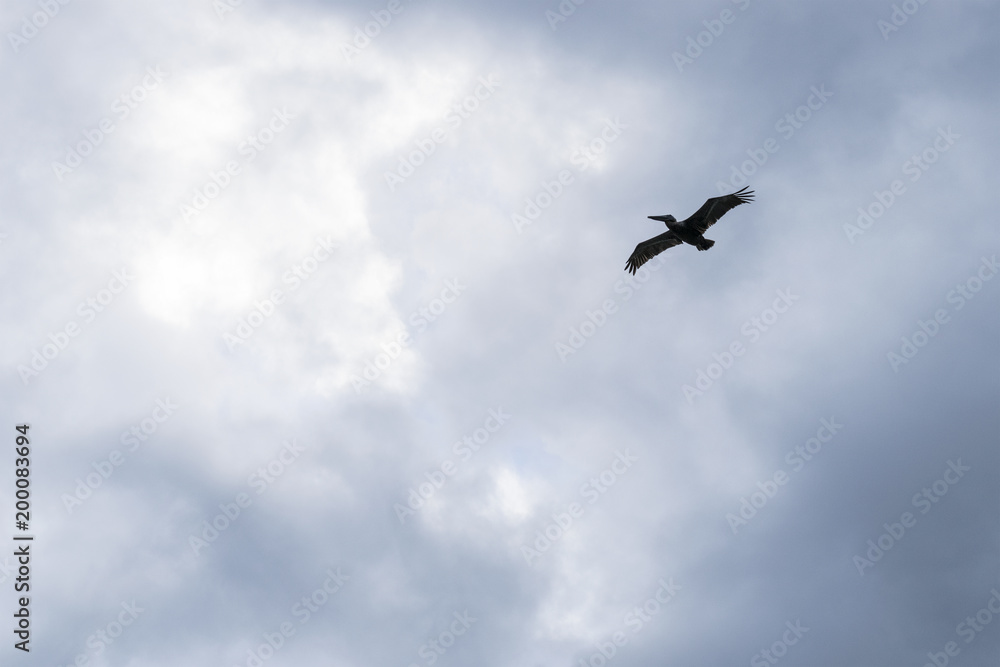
(317, 317)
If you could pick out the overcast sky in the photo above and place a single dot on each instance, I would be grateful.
(317, 314)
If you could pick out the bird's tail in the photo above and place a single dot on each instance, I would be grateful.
(706, 244)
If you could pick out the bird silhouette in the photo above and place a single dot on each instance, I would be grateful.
(689, 231)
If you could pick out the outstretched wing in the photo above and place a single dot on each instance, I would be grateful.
(716, 207)
(647, 250)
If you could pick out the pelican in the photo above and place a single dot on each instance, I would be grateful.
(688, 231)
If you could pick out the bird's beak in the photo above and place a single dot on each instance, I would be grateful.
(661, 218)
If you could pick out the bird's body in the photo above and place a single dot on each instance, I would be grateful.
(690, 231)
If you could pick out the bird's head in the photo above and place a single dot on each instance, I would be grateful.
(663, 218)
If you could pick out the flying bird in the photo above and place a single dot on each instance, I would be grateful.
(688, 231)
